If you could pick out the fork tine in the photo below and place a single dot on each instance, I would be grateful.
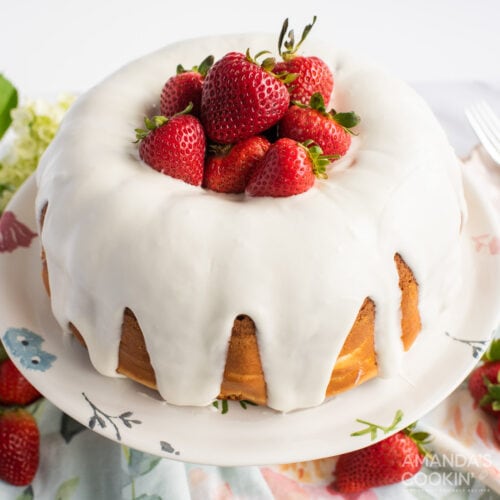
(485, 128)
(490, 119)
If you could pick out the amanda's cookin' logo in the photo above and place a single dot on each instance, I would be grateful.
(451, 472)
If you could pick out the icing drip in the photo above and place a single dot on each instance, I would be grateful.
(187, 261)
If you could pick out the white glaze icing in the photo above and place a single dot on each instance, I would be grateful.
(187, 261)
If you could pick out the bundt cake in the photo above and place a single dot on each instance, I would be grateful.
(280, 301)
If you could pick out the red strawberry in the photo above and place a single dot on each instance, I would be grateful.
(241, 99)
(183, 88)
(14, 388)
(389, 461)
(19, 447)
(484, 381)
(288, 168)
(484, 387)
(330, 130)
(312, 73)
(174, 146)
(229, 170)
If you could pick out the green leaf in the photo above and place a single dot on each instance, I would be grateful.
(317, 102)
(8, 101)
(289, 44)
(205, 65)
(421, 436)
(268, 64)
(493, 353)
(494, 391)
(347, 120)
(66, 490)
(27, 494)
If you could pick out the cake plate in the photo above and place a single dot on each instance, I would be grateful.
(233, 433)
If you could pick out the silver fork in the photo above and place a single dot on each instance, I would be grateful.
(486, 125)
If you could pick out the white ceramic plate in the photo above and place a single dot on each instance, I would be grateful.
(124, 411)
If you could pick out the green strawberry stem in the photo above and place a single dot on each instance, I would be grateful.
(156, 122)
(289, 44)
(493, 352)
(493, 394)
(318, 159)
(346, 120)
(202, 68)
(420, 438)
(219, 149)
(373, 429)
(268, 65)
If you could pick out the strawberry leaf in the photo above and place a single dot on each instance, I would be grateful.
(268, 64)
(156, 122)
(289, 45)
(202, 68)
(181, 69)
(205, 65)
(347, 120)
(420, 438)
(493, 352)
(317, 102)
(318, 159)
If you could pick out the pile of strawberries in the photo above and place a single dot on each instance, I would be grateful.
(19, 434)
(239, 125)
(484, 385)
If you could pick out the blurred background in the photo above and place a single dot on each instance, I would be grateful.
(53, 45)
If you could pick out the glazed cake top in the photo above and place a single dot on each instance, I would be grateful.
(187, 261)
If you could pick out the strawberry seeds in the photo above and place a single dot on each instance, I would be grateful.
(240, 125)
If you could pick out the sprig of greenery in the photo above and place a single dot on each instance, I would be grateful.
(373, 429)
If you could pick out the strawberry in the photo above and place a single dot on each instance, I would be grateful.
(330, 130)
(174, 146)
(229, 169)
(389, 461)
(288, 168)
(241, 98)
(312, 74)
(14, 388)
(484, 382)
(19, 447)
(184, 87)
(484, 387)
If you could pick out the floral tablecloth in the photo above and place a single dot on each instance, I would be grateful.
(79, 464)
